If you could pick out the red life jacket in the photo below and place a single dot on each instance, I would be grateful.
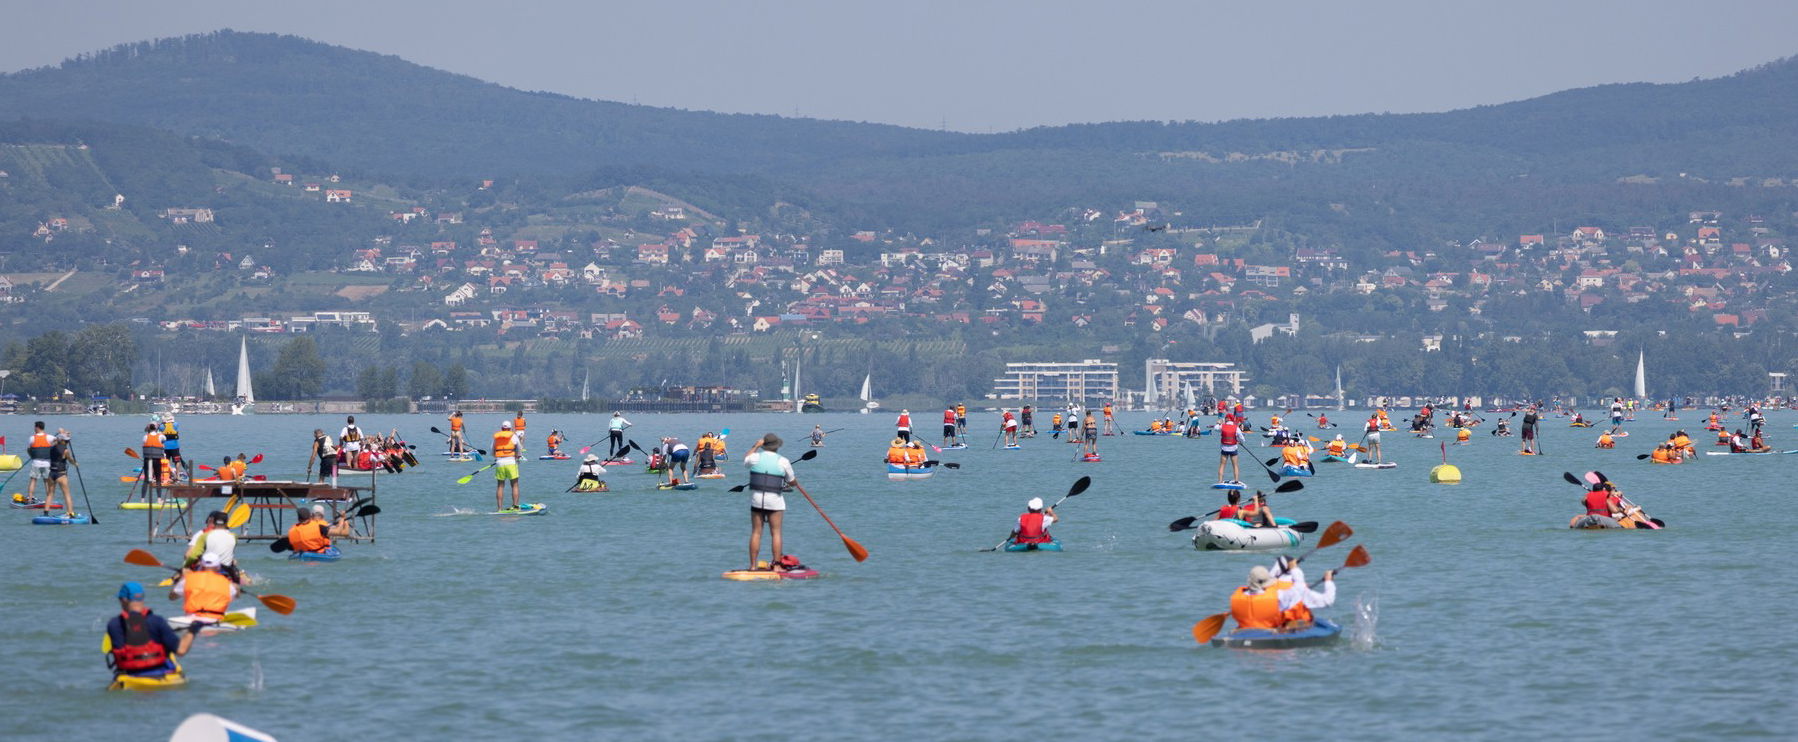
(1226, 512)
(1030, 530)
(948, 417)
(1598, 502)
(140, 651)
(1227, 434)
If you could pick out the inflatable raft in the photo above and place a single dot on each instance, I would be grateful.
(1321, 632)
(903, 473)
(1234, 535)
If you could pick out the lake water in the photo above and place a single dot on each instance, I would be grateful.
(1480, 616)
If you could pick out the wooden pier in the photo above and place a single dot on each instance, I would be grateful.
(271, 506)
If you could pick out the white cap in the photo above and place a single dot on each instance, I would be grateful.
(506, 425)
(1036, 503)
(318, 510)
(209, 560)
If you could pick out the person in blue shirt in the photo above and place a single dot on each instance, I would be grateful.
(143, 643)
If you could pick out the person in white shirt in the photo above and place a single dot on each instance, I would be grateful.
(769, 475)
(216, 541)
(351, 437)
(588, 479)
(1287, 569)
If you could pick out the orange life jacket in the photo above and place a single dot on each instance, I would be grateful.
(1337, 447)
(504, 444)
(455, 424)
(518, 422)
(1463, 434)
(1258, 611)
(308, 536)
(152, 439)
(1660, 456)
(206, 593)
(41, 439)
(1292, 455)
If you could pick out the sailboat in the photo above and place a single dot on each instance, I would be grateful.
(1341, 402)
(211, 391)
(867, 397)
(246, 396)
(586, 385)
(1641, 378)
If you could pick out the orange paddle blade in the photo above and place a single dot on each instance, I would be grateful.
(278, 603)
(855, 550)
(131, 453)
(1335, 534)
(1207, 628)
(126, 478)
(142, 558)
(1357, 558)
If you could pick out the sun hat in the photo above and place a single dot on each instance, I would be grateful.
(1260, 577)
(1036, 503)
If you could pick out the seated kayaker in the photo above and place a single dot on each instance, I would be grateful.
(1602, 502)
(1661, 455)
(309, 534)
(1578, 419)
(896, 452)
(1033, 525)
(218, 540)
(1255, 513)
(1683, 443)
(707, 459)
(587, 479)
(1338, 447)
(205, 593)
(1230, 508)
(1295, 454)
(1463, 435)
(1738, 443)
(1758, 443)
(1278, 602)
(143, 643)
(1605, 440)
(1504, 427)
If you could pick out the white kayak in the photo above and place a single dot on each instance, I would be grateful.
(1747, 453)
(1235, 535)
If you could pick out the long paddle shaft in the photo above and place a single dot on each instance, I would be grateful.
(856, 550)
(278, 603)
(448, 437)
(91, 518)
(1080, 486)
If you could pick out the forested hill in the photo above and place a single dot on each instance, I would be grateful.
(1381, 181)
(356, 109)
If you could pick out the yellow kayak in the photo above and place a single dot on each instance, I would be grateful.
(163, 505)
(173, 679)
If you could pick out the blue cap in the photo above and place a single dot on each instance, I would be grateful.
(131, 591)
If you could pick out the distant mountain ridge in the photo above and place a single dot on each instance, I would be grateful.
(367, 112)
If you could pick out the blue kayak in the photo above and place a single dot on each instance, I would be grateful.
(1053, 545)
(330, 554)
(1289, 470)
(1321, 632)
(59, 520)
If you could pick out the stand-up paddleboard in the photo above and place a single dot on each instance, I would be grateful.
(618, 462)
(682, 486)
(713, 475)
(1091, 458)
(529, 508)
(209, 728)
(755, 575)
(1012, 448)
(1227, 486)
(60, 520)
(556, 457)
(160, 505)
(1387, 465)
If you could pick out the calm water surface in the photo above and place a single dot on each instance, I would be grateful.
(1481, 615)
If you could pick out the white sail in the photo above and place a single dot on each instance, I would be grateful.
(1189, 397)
(585, 382)
(868, 388)
(1340, 402)
(1641, 378)
(798, 398)
(245, 394)
(211, 391)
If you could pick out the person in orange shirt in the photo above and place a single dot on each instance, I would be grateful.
(457, 442)
(205, 594)
(505, 465)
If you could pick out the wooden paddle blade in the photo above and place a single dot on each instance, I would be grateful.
(1208, 627)
(278, 603)
(239, 516)
(1183, 523)
(859, 552)
(131, 453)
(1335, 534)
(1292, 486)
(1357, 558)
(142, 558)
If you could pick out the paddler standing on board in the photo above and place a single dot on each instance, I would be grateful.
(949, 426)
(1008, 425)
(458, 440)
(143, 643)
(1110, 425)
(1027, 422)
(326, 455)
(902, 426)
(961, 420)
(769, 475)
(1229, 439)
(505, 465)
(1090, 435)
(1530, 419)
(615, 436)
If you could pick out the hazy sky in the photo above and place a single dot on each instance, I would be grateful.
(978, 65)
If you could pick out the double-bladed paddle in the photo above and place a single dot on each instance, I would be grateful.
(808, 456)
(1186, 523)
(1208, 626)
(1080, 486)
(278, 603)
(481, 451)
(283, 544)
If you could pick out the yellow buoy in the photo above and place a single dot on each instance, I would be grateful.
(10, 462)
(1445, 474)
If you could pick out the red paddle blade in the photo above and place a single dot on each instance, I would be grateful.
(1208, 627)
(1335, 534)
(142, 558)
(257, 459)
(1357, 558)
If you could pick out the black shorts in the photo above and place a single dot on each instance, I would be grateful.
(948, 429)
